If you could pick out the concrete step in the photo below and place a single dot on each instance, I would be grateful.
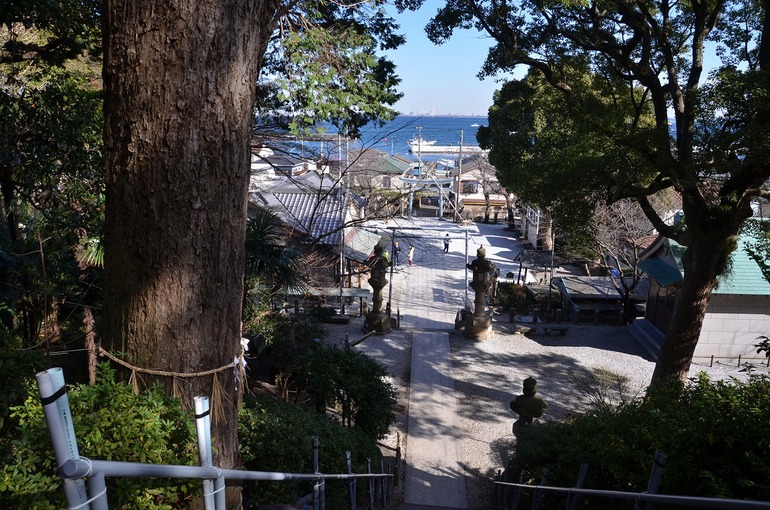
(647, 335)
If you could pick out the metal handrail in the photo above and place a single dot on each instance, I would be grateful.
(694, 501)
(72, 468)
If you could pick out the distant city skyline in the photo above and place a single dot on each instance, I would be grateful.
(440, 80)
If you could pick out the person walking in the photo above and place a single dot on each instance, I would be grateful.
(410, 254)
(446, 244)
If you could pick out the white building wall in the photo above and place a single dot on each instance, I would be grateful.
(731, 327)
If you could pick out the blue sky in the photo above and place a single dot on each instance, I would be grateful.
(440, 79)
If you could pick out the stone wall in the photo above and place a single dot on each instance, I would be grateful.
(732, 326)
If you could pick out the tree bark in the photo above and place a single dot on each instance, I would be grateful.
(180, 81)
(702, 264)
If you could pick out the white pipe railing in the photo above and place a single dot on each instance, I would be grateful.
(650, 496)
(692, 501)
(72, 467)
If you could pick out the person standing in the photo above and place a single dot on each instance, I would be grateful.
(396, 252)
(410, 255)
(446, 244)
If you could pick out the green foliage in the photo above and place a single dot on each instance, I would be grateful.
(322, 66)
(16, 368)
(355, 382)
(275, 436)
(510, 295)
(557, 150)
(111, 423)
(269, 261)
(51, 174)
(758, 247)
(63, 30)
(715, 433)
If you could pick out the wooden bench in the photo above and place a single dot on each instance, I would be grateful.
(552, 330)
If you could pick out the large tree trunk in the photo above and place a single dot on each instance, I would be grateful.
(703, 262)
(180, 78)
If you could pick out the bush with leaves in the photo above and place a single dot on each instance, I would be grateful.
(276, 436)
(715, 433)
(510, 295)
(356, 383)
(111, 423)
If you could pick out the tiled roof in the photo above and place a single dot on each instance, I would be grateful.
(744, 277)
(377, 161)
(317, 215)
(596, 287)
(359, 243)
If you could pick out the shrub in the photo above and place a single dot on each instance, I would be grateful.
(111, 423)
(715, 433)
(276, 436)
(510, 296)
(356, 383)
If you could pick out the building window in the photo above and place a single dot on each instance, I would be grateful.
(386, 182)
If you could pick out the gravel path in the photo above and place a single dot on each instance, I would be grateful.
(489, 374)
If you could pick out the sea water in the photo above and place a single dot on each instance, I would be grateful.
(393, 136)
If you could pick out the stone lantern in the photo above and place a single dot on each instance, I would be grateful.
(528, 406)
(479, 325)
(377, 320)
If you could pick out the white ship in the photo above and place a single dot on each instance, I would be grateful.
(442, 149)
(416, 143)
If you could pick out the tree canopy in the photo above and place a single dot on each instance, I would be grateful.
(321, 66)
(618, 103)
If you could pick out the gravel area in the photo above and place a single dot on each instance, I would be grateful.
(489, 374)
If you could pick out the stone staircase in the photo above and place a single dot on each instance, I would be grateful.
(648, 336)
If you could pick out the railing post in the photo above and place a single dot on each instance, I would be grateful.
(537, 500)
(56, 407)
(382, 484)
(573, 499)
(517, 492)
(371, 483)
(317, 495)
(320, 498)
(203, 428)
(98, 486)
(658, 465)
(351, 482)
(389, 484)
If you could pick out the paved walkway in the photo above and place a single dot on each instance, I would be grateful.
(428, 296)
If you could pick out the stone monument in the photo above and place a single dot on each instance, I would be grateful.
(377, 320)
(528, 406)
(479, 325)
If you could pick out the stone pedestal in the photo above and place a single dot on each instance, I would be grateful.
(478, 328)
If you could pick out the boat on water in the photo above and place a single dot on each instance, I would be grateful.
(444, 149)
(418, 142)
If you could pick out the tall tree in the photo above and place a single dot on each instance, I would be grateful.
(715, 152)
(180, 81)
(180, 88)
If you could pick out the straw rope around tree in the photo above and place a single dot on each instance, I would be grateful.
(217, 395)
